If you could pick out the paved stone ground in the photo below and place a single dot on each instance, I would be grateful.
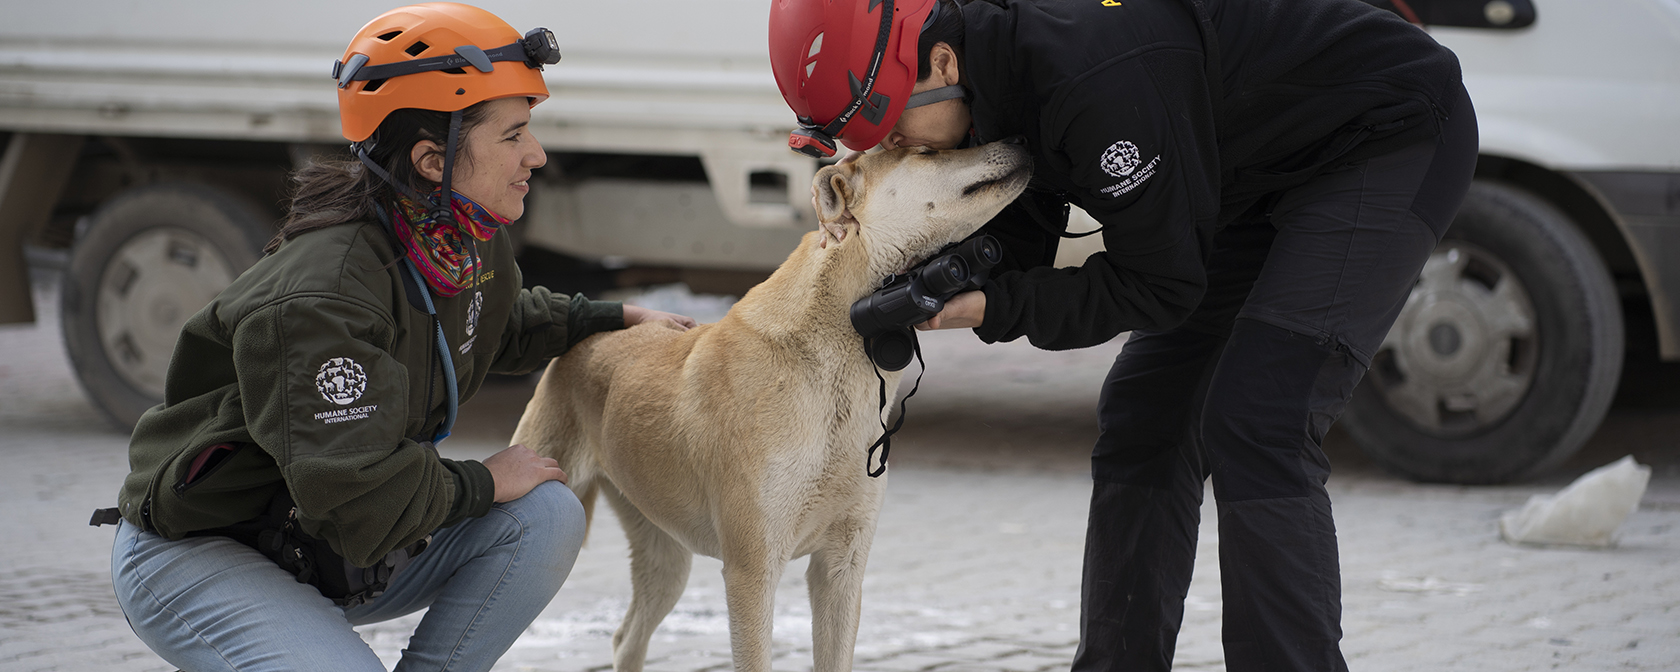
(976, 561)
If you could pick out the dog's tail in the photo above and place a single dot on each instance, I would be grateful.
(586, 494)
(551, 427)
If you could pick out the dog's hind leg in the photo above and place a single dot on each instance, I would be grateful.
(835, 577)
(659, 567)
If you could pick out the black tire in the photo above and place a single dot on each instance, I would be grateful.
(150, 258)
(1462, 390)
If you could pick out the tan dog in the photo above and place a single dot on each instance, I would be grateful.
(745, 439)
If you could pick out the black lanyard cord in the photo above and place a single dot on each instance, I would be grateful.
(1034, 203)
(885, 442)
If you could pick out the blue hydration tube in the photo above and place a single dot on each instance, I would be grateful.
(443, 350)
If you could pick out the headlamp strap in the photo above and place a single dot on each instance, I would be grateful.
(932, 96)
(885, 442)
(483, 60)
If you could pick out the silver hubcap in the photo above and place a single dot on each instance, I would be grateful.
(1462, 354)
(153, 283)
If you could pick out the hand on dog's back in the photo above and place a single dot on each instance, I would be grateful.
(634, 315)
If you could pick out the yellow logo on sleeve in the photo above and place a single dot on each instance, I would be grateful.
(1112, 3)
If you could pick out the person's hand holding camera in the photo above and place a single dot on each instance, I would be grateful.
(964, 311)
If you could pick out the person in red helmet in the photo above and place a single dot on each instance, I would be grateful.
(290, 487)
(1270, 176)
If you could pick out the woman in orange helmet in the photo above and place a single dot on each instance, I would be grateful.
(289, 486)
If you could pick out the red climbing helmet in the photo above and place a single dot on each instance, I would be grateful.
(846, 67)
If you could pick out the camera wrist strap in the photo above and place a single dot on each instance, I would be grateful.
(885, 442)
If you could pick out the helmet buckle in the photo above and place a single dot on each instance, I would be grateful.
(346, 72)
(475, 57)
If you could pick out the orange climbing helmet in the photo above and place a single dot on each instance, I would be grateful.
(441, 56)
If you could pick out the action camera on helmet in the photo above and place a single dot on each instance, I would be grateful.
(884, 317)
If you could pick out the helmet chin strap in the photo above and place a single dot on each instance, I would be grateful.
(441, 208)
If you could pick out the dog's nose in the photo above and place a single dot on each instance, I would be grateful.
(1014, 140)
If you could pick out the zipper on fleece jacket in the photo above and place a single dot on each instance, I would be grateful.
(192, 479)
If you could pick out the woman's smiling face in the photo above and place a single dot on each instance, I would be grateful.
(495, 160)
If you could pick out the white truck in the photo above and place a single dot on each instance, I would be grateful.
(1508, 353)
(152, 140)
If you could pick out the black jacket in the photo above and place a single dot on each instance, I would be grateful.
(1167, 119)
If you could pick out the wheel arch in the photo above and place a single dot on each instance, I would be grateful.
(1601, 225)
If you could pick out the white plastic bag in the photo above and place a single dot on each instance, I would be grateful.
(1587, 513)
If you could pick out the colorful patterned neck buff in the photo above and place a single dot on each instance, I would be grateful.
(448, 260)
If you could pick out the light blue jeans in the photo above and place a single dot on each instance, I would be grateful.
(211, 603)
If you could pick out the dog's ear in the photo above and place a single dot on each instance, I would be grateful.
(831, 191)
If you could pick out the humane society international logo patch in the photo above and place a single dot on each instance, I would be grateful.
(473, 310)
(341, 381)
(1123, 160)
(475, 307)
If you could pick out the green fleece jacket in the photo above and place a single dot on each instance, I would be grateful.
(326, 377)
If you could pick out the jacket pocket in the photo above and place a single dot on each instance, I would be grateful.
(204, 465)
(218, 485)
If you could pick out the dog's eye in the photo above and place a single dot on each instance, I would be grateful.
(924, 151)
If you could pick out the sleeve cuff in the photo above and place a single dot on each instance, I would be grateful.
(475, 490)
(585, 318)
(992, 328)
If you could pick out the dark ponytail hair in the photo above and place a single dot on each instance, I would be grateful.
(333, 192)
(947, 28)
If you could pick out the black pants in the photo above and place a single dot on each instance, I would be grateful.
(1244, 392)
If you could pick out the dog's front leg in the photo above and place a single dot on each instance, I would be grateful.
(749, 584)
(835, 578)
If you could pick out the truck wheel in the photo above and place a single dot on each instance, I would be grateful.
(151, 257)
(1506, 356)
